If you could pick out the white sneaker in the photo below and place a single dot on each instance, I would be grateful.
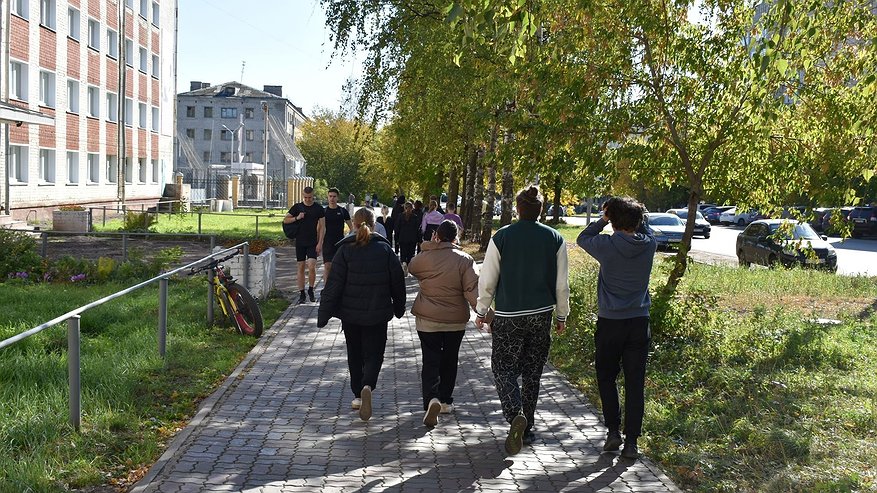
(365, 406)
(405, 269)
(447, 408)
(432, 412)
(356, 404)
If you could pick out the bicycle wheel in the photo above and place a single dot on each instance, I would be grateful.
(248, 317)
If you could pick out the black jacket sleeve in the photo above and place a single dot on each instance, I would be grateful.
(397, 284)
(330, 297)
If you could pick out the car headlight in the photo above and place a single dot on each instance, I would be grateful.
(658, 232)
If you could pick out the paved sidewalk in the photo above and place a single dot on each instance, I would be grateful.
(282, 423)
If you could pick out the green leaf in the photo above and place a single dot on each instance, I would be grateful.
(454, 14)
(782, 65)
(868, 174)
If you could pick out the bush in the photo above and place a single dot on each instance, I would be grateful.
(19, 255)
(138, 221)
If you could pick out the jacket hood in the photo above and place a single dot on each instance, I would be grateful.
(630, 246)
(431, 245)
(351, 238)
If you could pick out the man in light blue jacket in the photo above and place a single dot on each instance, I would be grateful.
(623, 335)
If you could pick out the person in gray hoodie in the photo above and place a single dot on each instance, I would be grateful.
(623, 335)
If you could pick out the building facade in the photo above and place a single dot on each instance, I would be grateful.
(222, 130)
(104, 70)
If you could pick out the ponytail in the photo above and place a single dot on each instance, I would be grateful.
(364, 221)
(363, 235)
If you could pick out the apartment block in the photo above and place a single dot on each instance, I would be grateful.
(104, 71)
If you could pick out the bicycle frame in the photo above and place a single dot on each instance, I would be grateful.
(219, 281)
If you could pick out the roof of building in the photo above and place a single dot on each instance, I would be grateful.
(237, 90)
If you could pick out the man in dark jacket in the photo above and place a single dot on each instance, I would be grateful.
(365, 290)
(623, 302)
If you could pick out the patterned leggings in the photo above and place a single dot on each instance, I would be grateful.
(520, 349)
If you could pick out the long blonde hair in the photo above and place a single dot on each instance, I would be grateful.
(364, 222)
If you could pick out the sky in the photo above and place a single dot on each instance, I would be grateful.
(283, 42)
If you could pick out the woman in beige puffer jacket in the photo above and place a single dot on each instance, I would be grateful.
(448, 289)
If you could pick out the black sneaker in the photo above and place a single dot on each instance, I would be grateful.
(630, 451)
(529, 437)
(301, 297)
(613, 442)
(514, 442)
(311, 294)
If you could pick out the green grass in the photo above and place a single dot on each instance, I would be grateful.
(132, 401)
(744, 393)
(237, 224)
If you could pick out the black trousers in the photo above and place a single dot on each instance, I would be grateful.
(365, 353)
(439, 375)
(407, 251)
(622, 344)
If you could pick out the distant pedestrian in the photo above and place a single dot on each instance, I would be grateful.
(437, 204)
(623, 334)
(451, 215)
(525, 272)
(386, 221)
(430, 221)
(448, 288)
(365, 290)
(309, 241)
(351, 204)
(398, 210)
(335, 217)
(419, 212)
(408, 233)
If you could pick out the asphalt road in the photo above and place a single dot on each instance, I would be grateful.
(854, 256)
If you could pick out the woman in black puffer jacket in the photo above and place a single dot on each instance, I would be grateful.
(365, 289)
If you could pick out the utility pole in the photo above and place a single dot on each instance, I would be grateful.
(122, 159)
(265, 157)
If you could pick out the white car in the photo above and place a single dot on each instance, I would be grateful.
(740, 218)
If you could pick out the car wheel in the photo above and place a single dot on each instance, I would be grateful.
(742, 261)
(706, 236)
(741, 222)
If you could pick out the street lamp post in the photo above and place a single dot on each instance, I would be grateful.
(231, 157)
(265, 158)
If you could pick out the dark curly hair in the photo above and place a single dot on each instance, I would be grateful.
(529, 203)
(624, 213)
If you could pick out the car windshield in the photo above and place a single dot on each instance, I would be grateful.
(801, 231)
(665, 221)
(683, 214)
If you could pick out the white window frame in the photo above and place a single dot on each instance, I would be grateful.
(129, 52)
(129, 112)
(93, 96)
(47, 166)
(73, 96)
(21, 8)
(129, 4)
(17, 164)
(93, 168)
(112, 44)
(47, 88)
(155, 119)
(73, 167)
(141, 114)
(155, 169)
(48, 14)
(142, 174)
(18, 75)
(93, 34)
(112, 107)
(144, 60)
(156, 66)
(112, 169)
(156, 14)
(74, 30)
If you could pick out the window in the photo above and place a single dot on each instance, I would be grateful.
(225, 135)
(155, 14)
(206, 157)
(112, 43)
(93, 34)
(141, 107)
(93, 102)
(141, 169)
(47, 13)
(248, 157)
(73, 167)
(47, 165)
(129, 112)
(73, 96)
(224, 157)
(93, 168)
(250, 134)
(129, 4)
(112, 169)
(144, 60)
(208, 134)
(155, 120)
(155, 171)
(129, 176)
(229, 112)
(20, 8)
(129, 53)
(144, 8)
(208, 112)
(17, 164)
(190, 112)
(248, 112)
(47, 89)
(18, 81)
(112, 107)
(190, 133)
(73, 23)
(156, 68)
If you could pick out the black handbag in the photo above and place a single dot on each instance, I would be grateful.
(290, 230)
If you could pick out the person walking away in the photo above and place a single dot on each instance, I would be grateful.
(398, 210)
(387, 222)
(335, 218)
(525, 273)
(448, 288)
(451, 215)
(623, 334)
(418, 210)
(379, 227)
(438, 204)
(408, 229)
(308, 241)
(365, 290)
(430, 221)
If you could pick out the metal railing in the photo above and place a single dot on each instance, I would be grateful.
(124, 236)
(73, 317)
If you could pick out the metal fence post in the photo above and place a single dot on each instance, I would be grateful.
(44, 247)
(162, 316)
(105, 215)
(210, 296)
(257, 226)
(245, 265)
(73, 371)
(124, 248)
(199, 222)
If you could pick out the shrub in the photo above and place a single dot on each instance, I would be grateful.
(138, 221)
(19, 255)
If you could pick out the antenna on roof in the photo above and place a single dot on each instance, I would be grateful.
(243, 65)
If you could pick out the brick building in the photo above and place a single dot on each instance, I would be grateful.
(104, 71)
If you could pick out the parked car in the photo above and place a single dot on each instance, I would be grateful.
(712, 213)
(816, 218)
(774, 242)
(701, 226)
(740, 218)
(864, 220)
(668, 228)
(550, 212)
(832, 220)
(702, 207)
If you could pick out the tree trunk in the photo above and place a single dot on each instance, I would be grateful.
(508, 192)
(558, 190)
(453, 183)
(487, 219)
(471, 159)
(681, 264)
(478, 196)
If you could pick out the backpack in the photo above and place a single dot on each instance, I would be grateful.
(290, 229)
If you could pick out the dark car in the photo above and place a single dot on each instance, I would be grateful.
(774, 242)
(667, 228)
(816, 217)
(711, 214)
(864, 220)
(832, 219)
(701, 226)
